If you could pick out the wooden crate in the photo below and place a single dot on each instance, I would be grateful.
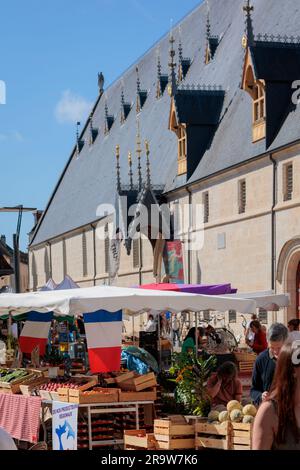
(241, 436)
(139, 439)
(246, 366)
(14, 386)
(139, 383)
(27, 387)
(244, 356)
(99, 395)
(149, 395)
(174, 433)
(212, 436)
(124, 377)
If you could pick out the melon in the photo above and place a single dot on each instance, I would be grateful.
(223, 416)
(236, 416)
(234, 405)
(249, 410)
(248, 419)
(213, 416)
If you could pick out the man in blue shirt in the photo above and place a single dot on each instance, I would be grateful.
(265, 363)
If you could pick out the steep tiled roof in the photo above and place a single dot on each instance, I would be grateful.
(89, 179)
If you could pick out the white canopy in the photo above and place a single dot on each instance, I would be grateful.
(265, 300)
(91, 299)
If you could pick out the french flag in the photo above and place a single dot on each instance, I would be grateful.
(35, 332)
(104, 339)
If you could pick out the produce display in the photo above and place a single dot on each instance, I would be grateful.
(235, 413)
(61, 382)
(9, 375)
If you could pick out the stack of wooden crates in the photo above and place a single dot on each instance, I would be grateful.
(225, 436)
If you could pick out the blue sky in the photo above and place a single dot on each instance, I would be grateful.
(50, 54)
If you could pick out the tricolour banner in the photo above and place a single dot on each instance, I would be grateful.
(104, 339)
(35, 332)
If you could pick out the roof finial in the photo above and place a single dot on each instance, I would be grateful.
(248, 38)
(138, 83)
(207, 21)
(148, 173)
(139, 153)
(118, 168)
(172, 87)
(77, 131)
(130, 170)
(101, 83)
(180, 49)
(158, 64)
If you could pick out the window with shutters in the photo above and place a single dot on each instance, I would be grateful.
(84, 256)
(263, 316)
(288, 182)
(232, 316)
(136, 253)
(182, 167)
(205, 201)
(242, 196)
(106, 248)
(256, 89)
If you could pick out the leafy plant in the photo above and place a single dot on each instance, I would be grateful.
(191, 374)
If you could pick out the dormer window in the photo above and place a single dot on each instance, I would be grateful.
(181, 133)
(256, 89)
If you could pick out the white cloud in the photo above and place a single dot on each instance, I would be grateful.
(72, 108)
(12, 135)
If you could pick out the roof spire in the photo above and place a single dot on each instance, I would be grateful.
(172, 87)
(130, 170)
(148, 172)
(248, 38)
(118, 169)
(139, 153)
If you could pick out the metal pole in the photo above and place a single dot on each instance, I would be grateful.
(159, 342)
(16, 263)
(196, 332)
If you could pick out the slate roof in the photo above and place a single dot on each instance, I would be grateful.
(89, 179)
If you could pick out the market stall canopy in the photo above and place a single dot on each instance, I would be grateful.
(265, 300)
(91, 299)
(206, 289)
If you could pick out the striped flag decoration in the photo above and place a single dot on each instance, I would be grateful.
(35, 332)
(104, 339)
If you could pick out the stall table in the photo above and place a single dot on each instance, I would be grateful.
(101, 408)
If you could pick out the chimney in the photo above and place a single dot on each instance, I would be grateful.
(37, 216)
(3, 239)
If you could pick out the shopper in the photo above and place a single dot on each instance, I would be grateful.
(260, 339)
(224, 386)
(264, 366)
(277, 424)
(6, 441)
(189, 344)
(151, 325)
(175, 329)
(249, 335)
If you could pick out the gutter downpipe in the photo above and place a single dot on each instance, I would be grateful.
(94, 249)
(273, 241)
(188, 231)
